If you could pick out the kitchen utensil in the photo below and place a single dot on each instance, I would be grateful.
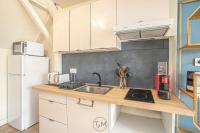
(123, 73)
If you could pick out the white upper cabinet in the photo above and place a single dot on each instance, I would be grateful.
(132, 11)
(103, 19)
(61, 31)
(89, 26)
(80, 28)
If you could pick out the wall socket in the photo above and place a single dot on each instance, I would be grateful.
(197, 61)
(73, 70)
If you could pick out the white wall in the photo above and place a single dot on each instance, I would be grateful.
(3, 85)
(15, 24)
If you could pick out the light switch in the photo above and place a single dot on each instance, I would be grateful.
(73, 70)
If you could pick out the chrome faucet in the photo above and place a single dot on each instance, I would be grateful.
(99, 76)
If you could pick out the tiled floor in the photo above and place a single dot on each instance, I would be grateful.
(8, 129)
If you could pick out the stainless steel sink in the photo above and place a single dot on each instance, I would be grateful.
(94, 89)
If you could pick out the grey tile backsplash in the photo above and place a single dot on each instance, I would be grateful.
(140, 56)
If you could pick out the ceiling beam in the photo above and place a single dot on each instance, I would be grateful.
(40, 3)
(32, 13)
(48, 5)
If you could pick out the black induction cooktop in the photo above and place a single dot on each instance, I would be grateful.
(140, 95)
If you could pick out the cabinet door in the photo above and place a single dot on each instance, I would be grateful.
(103, 19)
(132, 11)
(87, 117)
(61, 31)
(80, 28)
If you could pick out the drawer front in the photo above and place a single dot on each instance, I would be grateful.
(53, 97)
(49, 126)
(53, 110)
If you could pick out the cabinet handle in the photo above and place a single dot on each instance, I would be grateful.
(51, 120)
(79, 102)
(78, 50)
(51, 101)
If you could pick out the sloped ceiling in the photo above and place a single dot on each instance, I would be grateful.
(67, 3)
(15, 24)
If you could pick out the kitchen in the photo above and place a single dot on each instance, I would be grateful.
(111, 70)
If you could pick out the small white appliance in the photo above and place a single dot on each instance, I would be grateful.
(143, 30)
(51, 78)
(24, 72)
(55, 78)
(28, 48)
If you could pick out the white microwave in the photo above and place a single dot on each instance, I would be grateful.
(28, 48)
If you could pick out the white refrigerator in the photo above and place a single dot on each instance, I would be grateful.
(23, 73)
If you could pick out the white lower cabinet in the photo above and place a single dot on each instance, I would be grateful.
(86, 116)
(53, 110)
(53, 113)
(60, 114)
(53, 97)
(51, 126)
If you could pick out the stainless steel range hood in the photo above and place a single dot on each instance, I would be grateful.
(143, 30)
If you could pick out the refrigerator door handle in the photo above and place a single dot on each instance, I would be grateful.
(17, 74)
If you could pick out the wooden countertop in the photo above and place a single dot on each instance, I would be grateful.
(116, 96)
